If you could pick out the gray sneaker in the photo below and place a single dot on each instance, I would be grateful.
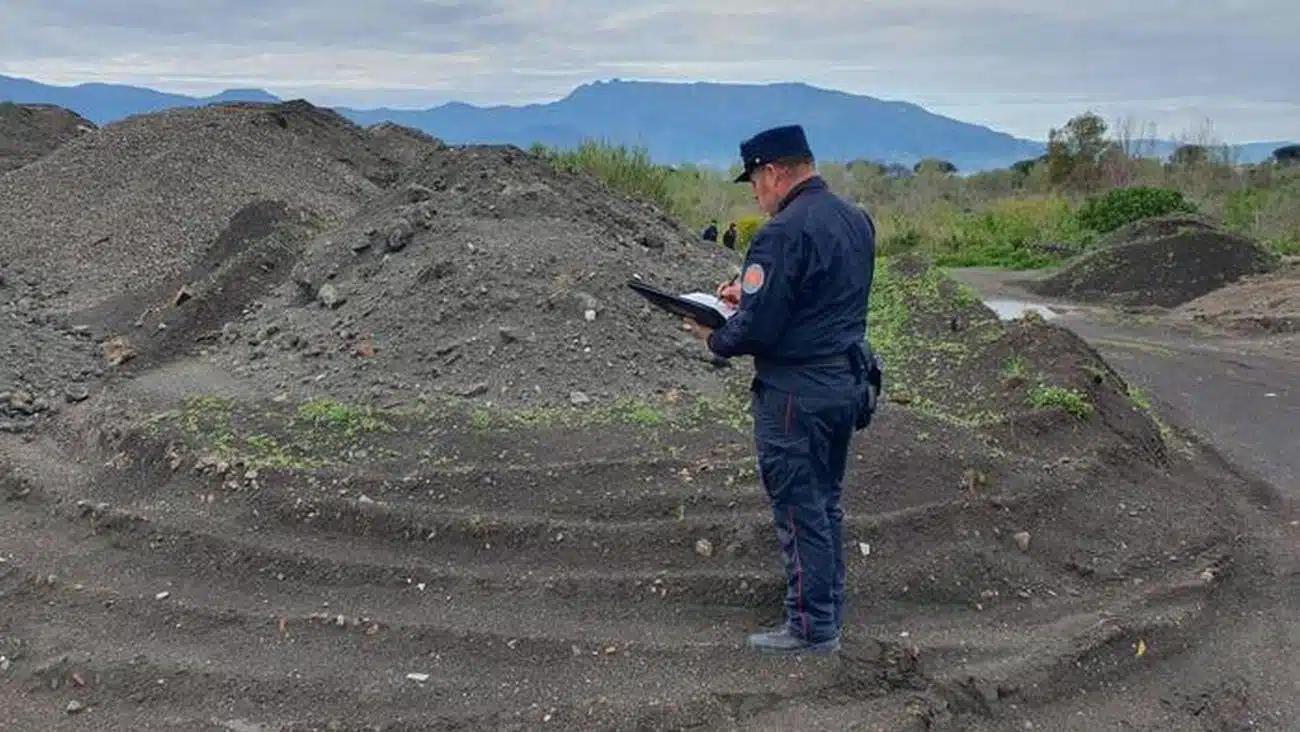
(783, 641)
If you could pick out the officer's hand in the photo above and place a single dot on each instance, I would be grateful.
(729, 293)
(701, 332)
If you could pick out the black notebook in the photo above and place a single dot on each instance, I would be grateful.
(705, 309)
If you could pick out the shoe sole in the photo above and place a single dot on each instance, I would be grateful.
(813, 649)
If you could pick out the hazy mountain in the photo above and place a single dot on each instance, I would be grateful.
(677, 123)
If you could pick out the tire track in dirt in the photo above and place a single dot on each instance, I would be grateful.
(292, 602)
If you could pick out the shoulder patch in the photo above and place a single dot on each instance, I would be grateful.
(753, 279)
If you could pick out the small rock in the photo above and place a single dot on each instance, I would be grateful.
(864, 548)
(329, 296)
(182, 295)
(651, 241)
(475, 390)
(704, 548)
(577, 398)
(117, 351)
(416, 193)
(4, 664)
(75, 706)
(508, 335)
(590, 315)
(162, 595)
(398, 235)
(75, 393)
(420, 678)
(1022, 540)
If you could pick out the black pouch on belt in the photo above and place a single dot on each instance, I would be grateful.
(871, 376)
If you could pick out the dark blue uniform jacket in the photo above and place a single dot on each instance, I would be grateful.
(805, 285)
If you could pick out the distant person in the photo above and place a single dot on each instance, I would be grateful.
(711, 231)
(729, 238)
(803, 296)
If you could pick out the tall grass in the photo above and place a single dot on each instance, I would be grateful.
(997, 219)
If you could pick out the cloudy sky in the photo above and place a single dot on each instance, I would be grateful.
(1017, 65)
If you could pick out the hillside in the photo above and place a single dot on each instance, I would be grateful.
(676, 122)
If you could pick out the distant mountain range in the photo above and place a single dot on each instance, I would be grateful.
(677, 123)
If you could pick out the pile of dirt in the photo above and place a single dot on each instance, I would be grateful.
(125, 214)
(216, 560)
(208, 204)
(32, 131)
(1161, 262)
(1264, 304)
(486, 274)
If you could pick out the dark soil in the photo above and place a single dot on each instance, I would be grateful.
(1161, 263)
(411, 458)
(29, 132)
(485, 274)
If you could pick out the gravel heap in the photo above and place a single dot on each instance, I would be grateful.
(1160, 262)
(29, 132)
(131, 208)
(486, 274)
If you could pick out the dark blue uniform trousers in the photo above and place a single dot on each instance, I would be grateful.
(803, 442)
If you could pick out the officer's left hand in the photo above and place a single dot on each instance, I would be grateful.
(701, 332)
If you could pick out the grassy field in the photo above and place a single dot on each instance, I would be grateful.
(1026, 217)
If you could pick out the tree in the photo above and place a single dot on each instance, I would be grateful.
(1026, 166)
(934, 165)
(1188, 156)
(1075, 152)
(1287, 155)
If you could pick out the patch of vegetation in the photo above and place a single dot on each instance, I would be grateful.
(1043, 396)
(1113, 209)
(628, 170)
(1033, 214)
(914, 309)
(343, 419)
(669, 412)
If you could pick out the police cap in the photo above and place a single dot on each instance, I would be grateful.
(771, 145)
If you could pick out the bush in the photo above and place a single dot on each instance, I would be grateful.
(1121, 206)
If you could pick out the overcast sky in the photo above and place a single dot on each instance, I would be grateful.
(1017, 65)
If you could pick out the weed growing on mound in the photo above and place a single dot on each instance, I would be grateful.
(324, 432)
(1044, 396)
(930, 331)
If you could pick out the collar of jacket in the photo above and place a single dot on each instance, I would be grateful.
(815, 183)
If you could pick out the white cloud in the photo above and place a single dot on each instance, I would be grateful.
(1021, 65)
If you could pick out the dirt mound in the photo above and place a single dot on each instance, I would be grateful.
(118, 219)
(31, 131)
(1157, 227)
(1162, 262)
(949, 355)
(217, 560)
(1265, 304)
(406, 145)
(485, 274)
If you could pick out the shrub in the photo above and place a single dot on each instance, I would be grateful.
(1115, 208)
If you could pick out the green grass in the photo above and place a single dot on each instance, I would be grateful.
(1043, 396)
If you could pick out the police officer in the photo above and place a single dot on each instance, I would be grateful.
(803, 298)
